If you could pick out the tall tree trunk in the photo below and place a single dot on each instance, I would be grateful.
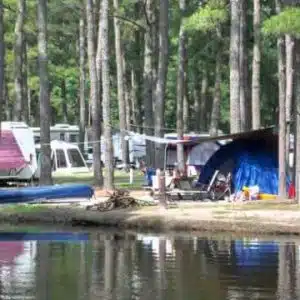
(297, 118)
(2, 60)
(235, 118)
(25, 100)
(18, 53)
(82, 102)
(186, 108)
(44, 97)
(181, 78)
(215, 113)
(243, 66)
(203, 107)
(256, 67)
(94, 96)
(197, 102)
(155, 41)
(134, 100)
(121, 85)
(64, 101)
(289, 74)
(147, 84)
(138, 71)
(161, 78)
(282, 113)
(109, 169)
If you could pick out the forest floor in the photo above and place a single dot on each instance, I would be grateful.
(259, 217)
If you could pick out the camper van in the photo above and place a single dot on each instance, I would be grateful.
(66, 159)
(18, 161)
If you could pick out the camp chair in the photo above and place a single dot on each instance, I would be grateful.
(221, 188)
(184, 189)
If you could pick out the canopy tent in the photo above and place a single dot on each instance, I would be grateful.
(252, 160)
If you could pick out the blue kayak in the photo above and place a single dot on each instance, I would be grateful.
(29, 194)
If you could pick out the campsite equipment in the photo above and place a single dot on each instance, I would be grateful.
(18, 161)
(42, 193)
(67, 159)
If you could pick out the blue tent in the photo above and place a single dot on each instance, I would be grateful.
(251, 161)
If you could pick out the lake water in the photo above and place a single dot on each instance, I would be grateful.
(123, 266)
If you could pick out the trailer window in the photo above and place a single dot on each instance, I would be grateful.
(61, 159)
(75, 158)
(73, 138)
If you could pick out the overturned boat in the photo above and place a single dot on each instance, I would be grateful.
(55, 193)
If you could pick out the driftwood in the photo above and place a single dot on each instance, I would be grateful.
(118, 199)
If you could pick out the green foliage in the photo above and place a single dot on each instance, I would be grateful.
(207, 18)
(287, 22)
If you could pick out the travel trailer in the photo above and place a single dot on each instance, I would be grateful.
(18, 161)
(66, 159)
(63, 132)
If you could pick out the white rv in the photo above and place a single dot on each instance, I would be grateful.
(66, 159)
(63, 132)
(18, 160)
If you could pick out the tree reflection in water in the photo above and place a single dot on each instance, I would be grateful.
(126, 266)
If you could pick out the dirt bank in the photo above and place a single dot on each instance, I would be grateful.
(275, 218)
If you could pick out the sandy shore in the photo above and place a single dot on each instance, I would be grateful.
(260, 218)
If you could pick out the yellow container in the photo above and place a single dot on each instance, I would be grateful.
(267, 197)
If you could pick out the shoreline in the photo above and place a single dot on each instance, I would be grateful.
(251, 218)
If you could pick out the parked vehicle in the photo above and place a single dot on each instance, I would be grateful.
(18, 162)
(67, 159)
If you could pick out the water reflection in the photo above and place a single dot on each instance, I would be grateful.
(126, 266)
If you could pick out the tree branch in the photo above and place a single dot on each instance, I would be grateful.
(129, 21)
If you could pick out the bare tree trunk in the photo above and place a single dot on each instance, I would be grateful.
(289, 74)
(44, 97)
(256, 67)
(181, 78)
(121, 85)
(243, 66)
(134, 100)
(109, 169)
(94, 95)
(297, 118)
(215, 114)
(18, 53)
(148, 80)
(186, 108)
(282, 113)
(64, 101)
(161, 78)
(203, 107)
(25, 100)
(2, 60)
(235, 118)
(197, 102)
(82, 102)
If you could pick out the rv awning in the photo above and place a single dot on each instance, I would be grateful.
(11, 156)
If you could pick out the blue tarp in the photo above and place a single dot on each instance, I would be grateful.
(253, 162)
(28, 194)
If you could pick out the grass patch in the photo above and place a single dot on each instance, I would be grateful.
(22, 208)
(121, 179)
